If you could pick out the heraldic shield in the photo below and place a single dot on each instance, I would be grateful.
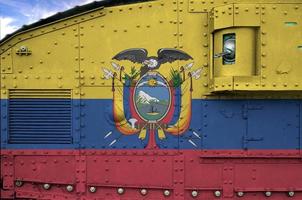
(158, 104)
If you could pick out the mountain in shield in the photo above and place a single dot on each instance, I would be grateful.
(145, 98)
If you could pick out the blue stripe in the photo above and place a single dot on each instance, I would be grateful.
(215, 124)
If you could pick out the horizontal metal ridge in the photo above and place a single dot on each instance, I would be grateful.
(39, 93)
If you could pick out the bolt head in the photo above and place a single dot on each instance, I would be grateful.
(240, 194)
(69, 188)
(217, 193)
(92, 189)
(144, 192)
(120, 190)
(268, 193)
(18, 183)
(291, 194)
(166, 193)
(194, 193)
(46, 186)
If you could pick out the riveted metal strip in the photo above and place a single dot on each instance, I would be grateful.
(300, 128)
(228, 181)
(6, 60)
(3, 123)
(178, 176)
(81, 174)
(8, 172)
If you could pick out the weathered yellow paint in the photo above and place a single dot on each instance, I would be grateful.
(6, 62)
(281, 58)
(247, 14)
(223, 16)
(267, 55)
(70, 53)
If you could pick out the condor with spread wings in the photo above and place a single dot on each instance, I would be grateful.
(140, 55)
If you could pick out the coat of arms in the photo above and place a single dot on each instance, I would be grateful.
(153, 99)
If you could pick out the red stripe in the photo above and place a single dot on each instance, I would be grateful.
(180, 172)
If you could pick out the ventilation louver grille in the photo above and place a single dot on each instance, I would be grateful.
(40, 116)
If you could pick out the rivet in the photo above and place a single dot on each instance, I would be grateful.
(143, 192)
(18, 183)
(46, 186)
(291, 193)
(92, 189)
(240, 194)
(120, 190)
(166, 193)
(268, 193)
(217, 193)
(69, 188)
(194, 193)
